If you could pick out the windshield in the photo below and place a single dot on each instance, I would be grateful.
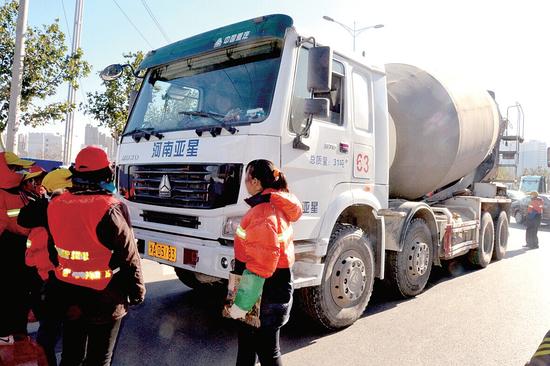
(234, 86)
(529, 184)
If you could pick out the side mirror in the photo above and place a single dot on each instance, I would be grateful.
(111, 72)
(319, 70)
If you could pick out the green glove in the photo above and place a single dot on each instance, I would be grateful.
(250, 290)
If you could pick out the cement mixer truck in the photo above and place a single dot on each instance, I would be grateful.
(391, 163)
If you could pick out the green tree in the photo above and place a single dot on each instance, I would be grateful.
(505, 174)
(47, 65)
(110, 107)
(537, 171)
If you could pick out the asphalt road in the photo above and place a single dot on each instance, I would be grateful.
(494, 316)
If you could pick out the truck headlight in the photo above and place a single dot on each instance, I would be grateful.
(231, 225)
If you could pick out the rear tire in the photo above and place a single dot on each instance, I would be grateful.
(501, 236)
(347, 281)
(481, 256)
(409, 270)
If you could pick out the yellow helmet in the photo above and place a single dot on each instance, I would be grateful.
(56, 179)
(12, 159)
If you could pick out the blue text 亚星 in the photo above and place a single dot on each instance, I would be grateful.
(174, 149)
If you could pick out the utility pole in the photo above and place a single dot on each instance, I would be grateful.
(69, 124)
(17, 75)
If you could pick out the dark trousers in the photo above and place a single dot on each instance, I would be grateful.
(14, 285)
(533, 224)
(263, 341)
(89, 344)
(49, 312)
(47, 336)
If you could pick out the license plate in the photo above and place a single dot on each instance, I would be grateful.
(162, 251)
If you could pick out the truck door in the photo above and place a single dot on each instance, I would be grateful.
(316, 173)
(363, 130)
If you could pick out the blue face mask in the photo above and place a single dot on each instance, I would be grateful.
(109, 187)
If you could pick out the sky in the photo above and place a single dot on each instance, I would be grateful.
(501, 45)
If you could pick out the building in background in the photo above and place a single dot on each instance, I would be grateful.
(39, 145)
(92, 136)
(532, 155)
(23, 144)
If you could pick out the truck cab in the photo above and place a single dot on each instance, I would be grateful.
(533, 183)
(209, 105)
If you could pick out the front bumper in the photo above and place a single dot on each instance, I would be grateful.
(211, 254)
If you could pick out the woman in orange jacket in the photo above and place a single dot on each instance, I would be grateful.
(264, 254)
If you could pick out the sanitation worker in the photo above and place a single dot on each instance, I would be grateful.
(41, 257)
(264, 254)
(14, 303)
(99, 272)
(534, 216)
(32, 182)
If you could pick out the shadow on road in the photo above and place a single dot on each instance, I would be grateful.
(178, 326)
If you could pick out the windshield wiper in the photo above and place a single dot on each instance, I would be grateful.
(147, 132)
(213, 115)
(214, 130)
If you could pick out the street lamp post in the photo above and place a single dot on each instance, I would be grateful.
(353, 31)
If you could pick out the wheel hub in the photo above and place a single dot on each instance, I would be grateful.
(348, 280)
(418, 259)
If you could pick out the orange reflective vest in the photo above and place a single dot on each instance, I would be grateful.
(83, 259)
(263, 239)
(535, 205)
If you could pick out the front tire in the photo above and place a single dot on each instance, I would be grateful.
(481, 256)
(409, 270)
(501, 236)
(347, 281)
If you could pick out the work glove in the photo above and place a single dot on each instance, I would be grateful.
(250, 290)
(236, 312)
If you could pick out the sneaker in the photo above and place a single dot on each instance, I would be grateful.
(6, 341)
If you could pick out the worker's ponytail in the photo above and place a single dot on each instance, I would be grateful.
(268, 175)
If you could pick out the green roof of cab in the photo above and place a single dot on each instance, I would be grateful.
(268, 26)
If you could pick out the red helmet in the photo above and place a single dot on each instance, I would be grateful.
(90, 159)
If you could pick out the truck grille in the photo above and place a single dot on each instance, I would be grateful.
(187, 185)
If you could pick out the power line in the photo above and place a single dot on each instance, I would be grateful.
(133, 25)
(155, 20)
(66, 20)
